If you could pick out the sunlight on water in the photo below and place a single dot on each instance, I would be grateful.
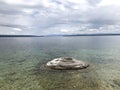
(22, 61)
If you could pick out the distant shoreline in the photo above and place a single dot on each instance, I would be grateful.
(60, 35)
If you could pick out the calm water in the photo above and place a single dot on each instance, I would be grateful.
(22, 60)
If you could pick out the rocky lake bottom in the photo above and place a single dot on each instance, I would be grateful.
(22, 63)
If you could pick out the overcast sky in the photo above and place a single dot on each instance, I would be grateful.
(43, 17)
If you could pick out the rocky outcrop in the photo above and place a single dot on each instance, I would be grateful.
(66, 63)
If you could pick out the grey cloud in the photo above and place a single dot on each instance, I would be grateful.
(8, 9)
(13, 26)
(41, 19)
(94, 2)
(104, 16)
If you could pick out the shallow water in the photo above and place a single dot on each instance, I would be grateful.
(22, 60)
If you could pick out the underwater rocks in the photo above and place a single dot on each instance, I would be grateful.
(66, 63)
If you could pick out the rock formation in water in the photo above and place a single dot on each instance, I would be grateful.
(66, 63)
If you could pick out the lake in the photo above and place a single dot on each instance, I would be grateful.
(22, 61)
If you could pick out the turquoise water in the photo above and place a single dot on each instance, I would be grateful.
(22, 61)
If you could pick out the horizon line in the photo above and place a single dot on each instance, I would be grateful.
(50, 35)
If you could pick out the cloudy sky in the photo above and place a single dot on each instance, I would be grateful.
(43, 17)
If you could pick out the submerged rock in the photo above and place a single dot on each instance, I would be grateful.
(66, 63)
